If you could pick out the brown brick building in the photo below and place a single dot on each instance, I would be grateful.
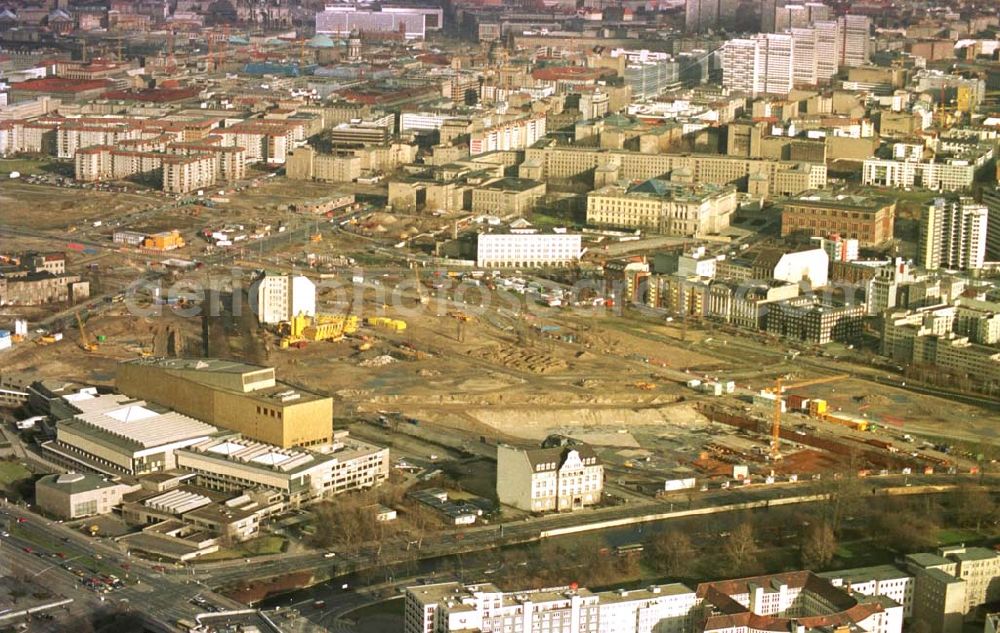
(869, 219)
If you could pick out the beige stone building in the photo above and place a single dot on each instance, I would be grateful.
(298, 476)
(664, 207)
(78, 495)
(549, 479)
(507, 196)
(236, 396)
(603, 167)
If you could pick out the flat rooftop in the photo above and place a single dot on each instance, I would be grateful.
(511, 184)
(139, 422)
(854, 202)
(864, 574)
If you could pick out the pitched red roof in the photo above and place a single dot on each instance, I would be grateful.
(59, 84)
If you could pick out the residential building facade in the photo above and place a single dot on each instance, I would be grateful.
(549, 479)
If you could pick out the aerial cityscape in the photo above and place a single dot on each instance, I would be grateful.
(500, 316)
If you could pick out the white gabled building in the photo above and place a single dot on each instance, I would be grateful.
(278, 298)
(549, 479)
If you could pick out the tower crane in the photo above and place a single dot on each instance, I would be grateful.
(777, 390)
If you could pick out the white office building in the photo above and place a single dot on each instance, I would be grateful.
(297, 476)
(527, 248)
(953, 234)
(344, 19)
(423, 121)
(278, 298)
(762, 64)
(946, 175)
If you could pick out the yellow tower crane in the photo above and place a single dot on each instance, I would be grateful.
(777, 390)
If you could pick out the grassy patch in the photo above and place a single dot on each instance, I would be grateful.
(263, 546)
(392, 606)
(549, 218)
(26, 166)
(955, 536)
(11, 472)
(862, 553)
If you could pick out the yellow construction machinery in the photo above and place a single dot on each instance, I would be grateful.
(778, 389)
(330, 327)
(645, 386)
(85, 342)
(385, 323)
(322, 327)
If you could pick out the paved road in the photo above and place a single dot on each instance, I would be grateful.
(45, 548)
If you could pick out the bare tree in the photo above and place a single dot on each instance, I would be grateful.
(740, 548)
(973, 505)
(673, 553)
(905, 530)
(819, 544)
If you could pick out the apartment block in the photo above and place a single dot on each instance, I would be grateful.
(279, 297)
(855, 39)
(991, 198)
(183, 174)
(780, 602)
(880, 580)
(979, 320)
(509, 135)
(604, 167)
(952, 583)
(953, 234)
(759, 65)
(527, 249)
(927, 337)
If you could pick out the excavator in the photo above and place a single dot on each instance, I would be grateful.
(85, 342)
(424, 299)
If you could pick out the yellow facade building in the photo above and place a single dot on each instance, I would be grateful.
(233, 395)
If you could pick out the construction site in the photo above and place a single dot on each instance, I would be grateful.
(470, 362)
